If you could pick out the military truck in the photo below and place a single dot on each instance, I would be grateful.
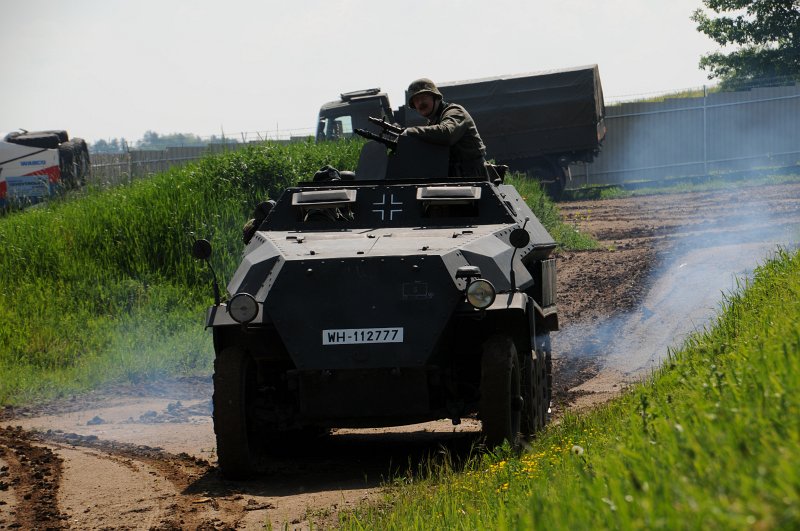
(538, 123)
(388, 296)
(35, 165)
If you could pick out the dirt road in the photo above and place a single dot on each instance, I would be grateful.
(143, 457)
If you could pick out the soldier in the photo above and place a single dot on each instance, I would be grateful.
(448, 124)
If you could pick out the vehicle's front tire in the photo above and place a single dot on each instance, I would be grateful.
(234, 375)
(536, 387)
(501, 400)
(544, 376)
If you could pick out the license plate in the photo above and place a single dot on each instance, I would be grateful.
(357, 336)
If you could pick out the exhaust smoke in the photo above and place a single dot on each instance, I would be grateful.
(714, 241)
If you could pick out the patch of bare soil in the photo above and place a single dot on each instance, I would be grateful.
(143, 457)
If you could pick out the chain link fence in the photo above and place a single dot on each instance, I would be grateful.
(715, 133)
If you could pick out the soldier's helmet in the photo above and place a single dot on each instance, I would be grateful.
(421, 86)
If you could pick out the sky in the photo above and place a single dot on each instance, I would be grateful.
(105, 69)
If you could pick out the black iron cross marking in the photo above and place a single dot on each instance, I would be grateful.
(388, 207)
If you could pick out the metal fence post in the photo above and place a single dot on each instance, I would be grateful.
(705, 132)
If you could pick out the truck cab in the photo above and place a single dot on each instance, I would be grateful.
(340, 118)
(36, 165)
(27, 173)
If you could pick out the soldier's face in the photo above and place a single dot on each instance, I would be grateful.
(424, 103)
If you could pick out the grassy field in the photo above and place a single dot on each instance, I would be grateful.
(711, 441)
(101, 287)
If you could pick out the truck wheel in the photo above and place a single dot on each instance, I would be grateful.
(528, 407)
(541, 396)
(66, 158)
(544, 353)
(536, 392)
(234, 372)
(501, 402)
(551, 177)
(82, 163)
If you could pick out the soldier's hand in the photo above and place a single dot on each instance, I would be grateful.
(249, 230)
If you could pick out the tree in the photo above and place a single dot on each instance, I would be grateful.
(766, 34)
(107, 146)
(101, 146)
(149, 140)
(153, 140)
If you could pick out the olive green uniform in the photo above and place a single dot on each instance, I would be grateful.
(453, 126)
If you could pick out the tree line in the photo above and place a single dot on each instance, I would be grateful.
(154, 140)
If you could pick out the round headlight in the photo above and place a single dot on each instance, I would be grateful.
(480, 293)
(243, 308)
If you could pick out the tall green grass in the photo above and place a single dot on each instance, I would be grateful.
(567, 236)
(101, 287)
(711, 441)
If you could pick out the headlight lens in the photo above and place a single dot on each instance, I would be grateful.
(480, 293)
(243, 308)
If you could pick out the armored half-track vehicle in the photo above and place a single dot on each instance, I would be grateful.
(390, 296)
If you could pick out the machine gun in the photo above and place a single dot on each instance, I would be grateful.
(386, 126)
(388, 136)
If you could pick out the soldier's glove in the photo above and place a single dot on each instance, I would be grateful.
(260, 213)
(249, 230)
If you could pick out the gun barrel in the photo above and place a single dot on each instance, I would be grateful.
(377, 138)
(386, 125)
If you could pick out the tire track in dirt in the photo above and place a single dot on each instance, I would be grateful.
(33, 473)
(165, 493)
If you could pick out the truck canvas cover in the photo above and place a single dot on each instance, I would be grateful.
(528, 114)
